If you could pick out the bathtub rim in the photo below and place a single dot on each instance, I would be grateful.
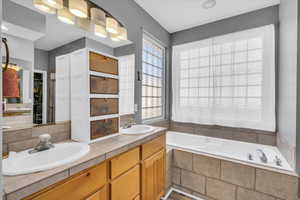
(273, 169)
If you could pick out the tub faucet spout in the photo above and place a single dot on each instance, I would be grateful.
(262, 156)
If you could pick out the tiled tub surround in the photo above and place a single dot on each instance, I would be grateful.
(245, 152)
(239, 134)
(19, 139)
(221, 179)
(18, 187)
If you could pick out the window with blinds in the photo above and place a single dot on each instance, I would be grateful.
(227, 80)
(152, 84)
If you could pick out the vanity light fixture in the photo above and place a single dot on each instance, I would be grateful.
(86, 15)
(65, 16)
(209, 4)
(79, 8)
(112, 25)
(114, 37)
(39, 4)
(98, 16)
(122, 33)
(57, 4)
(100, 31)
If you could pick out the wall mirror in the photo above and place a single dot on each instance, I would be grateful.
(36, 39)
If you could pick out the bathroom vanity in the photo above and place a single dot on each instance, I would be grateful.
(124, 167)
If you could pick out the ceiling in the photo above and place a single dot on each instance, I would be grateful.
(59, 33)
(177, 15)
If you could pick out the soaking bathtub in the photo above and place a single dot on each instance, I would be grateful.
(243, 152)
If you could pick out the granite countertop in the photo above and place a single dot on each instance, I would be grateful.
(18, 187)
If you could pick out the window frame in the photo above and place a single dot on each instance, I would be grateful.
(158, 43)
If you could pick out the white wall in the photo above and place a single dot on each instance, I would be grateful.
(20, 48)
(287, 80)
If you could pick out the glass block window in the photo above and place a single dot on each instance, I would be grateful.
(227, 80)
(152, 76)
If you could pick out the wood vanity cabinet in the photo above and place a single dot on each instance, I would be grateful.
(153, 169)
(77, 187)
(100, 195)
(138, 174)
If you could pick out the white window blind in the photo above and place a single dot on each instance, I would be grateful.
(152, 84)
(227, 80)
(126, 78)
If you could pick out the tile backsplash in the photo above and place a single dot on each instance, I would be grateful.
(239, 134)
(21, 139)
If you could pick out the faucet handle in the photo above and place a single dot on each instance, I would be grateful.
(278, 161)
(45, 137)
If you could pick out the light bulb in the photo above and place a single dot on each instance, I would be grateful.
(100, 31)
(58, 4)
(78, 8)
(122, 33)
(114, 37)
(39, 4)
(112, 25)
(65, 16)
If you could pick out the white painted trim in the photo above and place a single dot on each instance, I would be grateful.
(45, 78)
(103, 75)
(106, 96)
(181, 192)
(104, 117)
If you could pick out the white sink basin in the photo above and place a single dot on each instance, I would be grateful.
(137, 129)
(61, 154)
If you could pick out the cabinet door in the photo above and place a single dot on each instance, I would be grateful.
(100, 195)
(62, 89)
(104, 106)
(153, 176)
(100, 63)
(105, 127)
(127, 186)
(103, 85)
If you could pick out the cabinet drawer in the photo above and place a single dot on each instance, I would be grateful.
(100, 63)
(124, 162)
(153, 146)
(99, 195)
(79, 186)
(101, 128)
(100, 107)
(127, 186)
(103, 85)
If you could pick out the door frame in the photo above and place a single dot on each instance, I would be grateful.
(44, 73)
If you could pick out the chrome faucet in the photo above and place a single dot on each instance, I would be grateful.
(262, 156)
(43, 145)
(129, 123)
